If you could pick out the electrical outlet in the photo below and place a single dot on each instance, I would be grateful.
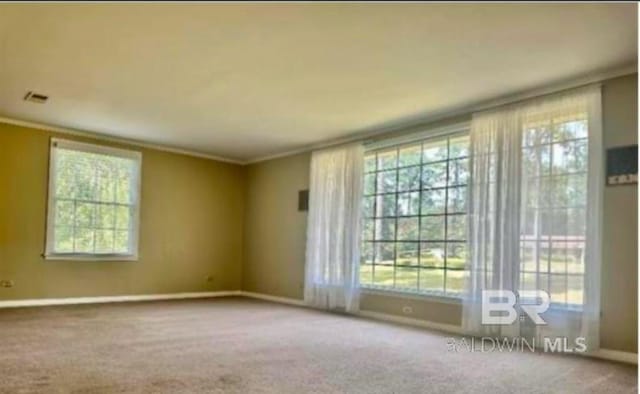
(6, 283)
(407, 310)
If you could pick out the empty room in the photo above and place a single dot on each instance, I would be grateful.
(284, 197)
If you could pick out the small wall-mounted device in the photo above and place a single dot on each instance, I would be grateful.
(303, 200)
(36, 97)
(622, 165)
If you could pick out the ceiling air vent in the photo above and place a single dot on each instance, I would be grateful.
(36, 97)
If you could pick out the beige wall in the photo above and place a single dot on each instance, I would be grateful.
(275, 232)
(620, 232)
(190, 228)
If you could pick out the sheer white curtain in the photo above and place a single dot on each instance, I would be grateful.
(333, 232)
(535, 212)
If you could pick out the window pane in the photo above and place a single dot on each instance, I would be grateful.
(370, 183)
(455, 282)
(434, 151)
(432, 228)
(459, 147)
(104, 241)
(537, 135)
(434, 175)
(457, 255)
(385, 229)
(383, 276)
(558, 291)
(536, 160)
(84, 240)
(384, 253)
(575, 290)
(367, 206)
(432, 254)
(367, 231)
(122, 217)
(387, 181)
(64, 239)
(458, 172)
(433, 201)
(409, 178)
(84, 176)
(366, 274)
(388, 159)
(569, 157)
(577, 190)
(570, 130)
(65, 177)
(85, 213)
(407, 229)
(432, 280)
(410, 155)
(64, 213)
(370, 163)
(407, 278)
(105, 217)
(386, 205)
(366, 263)
(105, 185)
(407, 253)
(576, 223)
(457, 199)
(457, 227)
(121, 244)
(366, 255)
(408, 203)
(123, 189)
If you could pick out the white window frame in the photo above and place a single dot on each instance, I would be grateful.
(50, 253)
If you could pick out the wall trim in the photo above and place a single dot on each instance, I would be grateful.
(110, 299)
(278, 299)
(605, 354)
(447, 328)
(616, 355)
(117, 140)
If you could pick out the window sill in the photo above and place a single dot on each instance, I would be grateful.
(90, 257)
(433, 297)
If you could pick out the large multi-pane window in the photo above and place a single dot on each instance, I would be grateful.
(414, 231)
(554, 198)
(93, 202)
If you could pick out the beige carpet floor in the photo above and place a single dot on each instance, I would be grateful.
(238, 345)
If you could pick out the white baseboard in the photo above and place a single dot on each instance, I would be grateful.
(616, 355)
(266, 297)
(107, 299)
(605, 354)
(448, 328)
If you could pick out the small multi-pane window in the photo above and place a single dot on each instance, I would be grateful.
(554, 199)
(93, 202)
(415, 222)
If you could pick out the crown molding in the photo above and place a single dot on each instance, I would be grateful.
(118, 140)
